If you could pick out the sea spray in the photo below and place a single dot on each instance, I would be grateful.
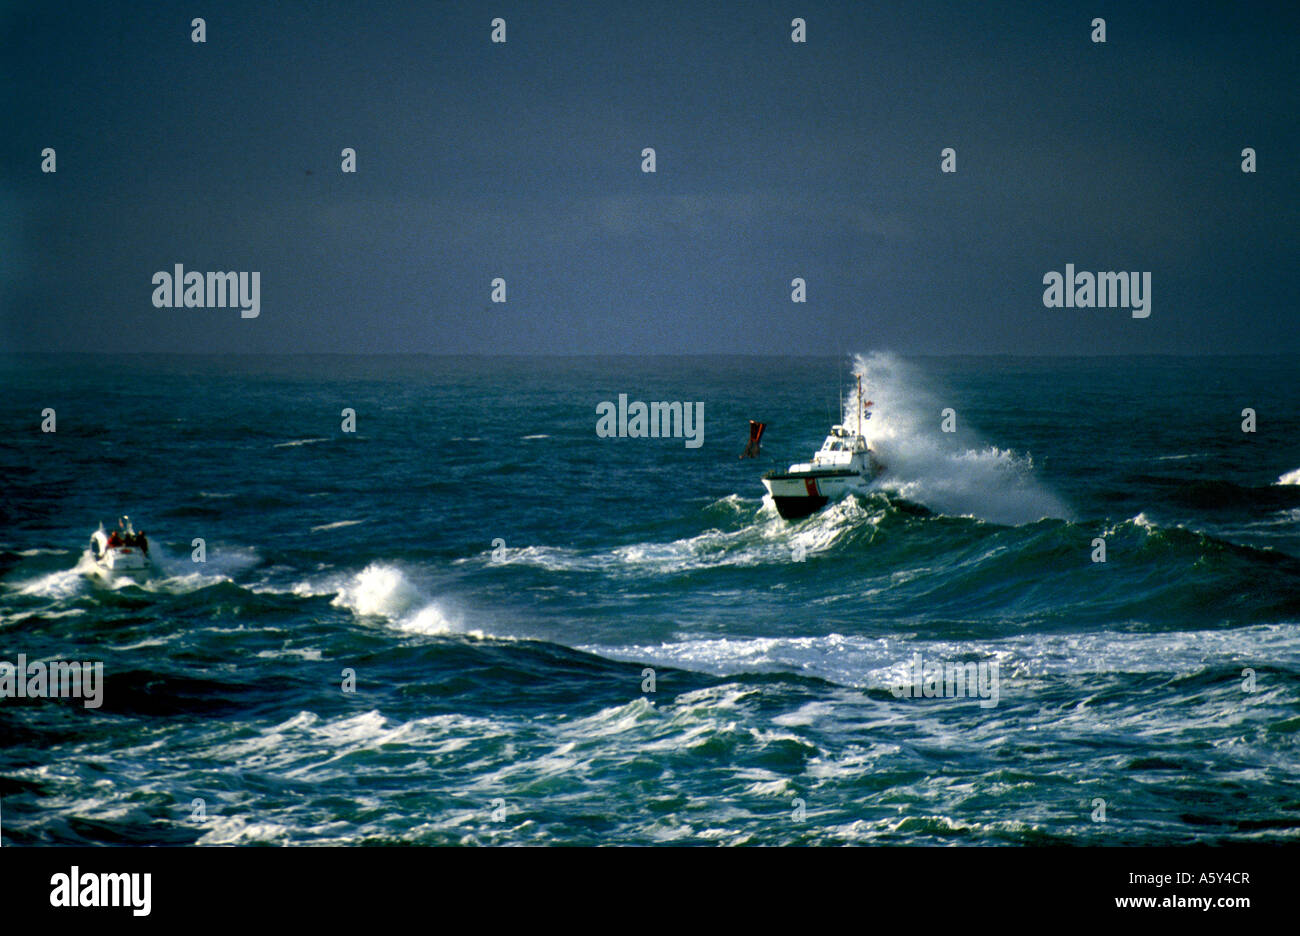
(953, 473)
(383, 591)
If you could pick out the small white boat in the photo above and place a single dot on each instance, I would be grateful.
(121, 553)
(845, 463)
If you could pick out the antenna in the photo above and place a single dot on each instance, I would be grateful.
(829, 404)
(839, 382)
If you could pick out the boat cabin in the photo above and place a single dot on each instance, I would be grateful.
(839, 448)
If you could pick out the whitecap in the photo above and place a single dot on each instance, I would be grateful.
(336, 525)
(383, 591)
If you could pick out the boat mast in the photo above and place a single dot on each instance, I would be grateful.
(859, 404)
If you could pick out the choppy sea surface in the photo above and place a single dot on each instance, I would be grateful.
(499, 580)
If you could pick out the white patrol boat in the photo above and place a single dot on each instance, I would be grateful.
(844, 463)
(121, 553)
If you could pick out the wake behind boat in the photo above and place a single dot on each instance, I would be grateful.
(845, 463)
(120, 553)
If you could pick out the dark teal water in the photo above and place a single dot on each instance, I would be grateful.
(499, 692)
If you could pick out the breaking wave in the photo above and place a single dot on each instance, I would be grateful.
(954, 473)
(383, 591)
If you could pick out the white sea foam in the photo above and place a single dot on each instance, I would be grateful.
(61, 584)
(338, 524)
(879, 662)
(1145, 522)
(766, 540)
(236, 830)
(291, 653)
(952, 473)
(44, 615)
(381, 590)
(1291, 477)
(179, 574)
(297, 442)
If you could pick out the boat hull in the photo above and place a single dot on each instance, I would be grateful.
(796, 508)
(132, 564)
(800, 494)
(114, 562)
(117, 575)
(804, 490)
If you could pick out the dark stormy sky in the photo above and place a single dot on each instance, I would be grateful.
(775, 160)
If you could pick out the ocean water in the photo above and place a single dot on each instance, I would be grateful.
(500, 579)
